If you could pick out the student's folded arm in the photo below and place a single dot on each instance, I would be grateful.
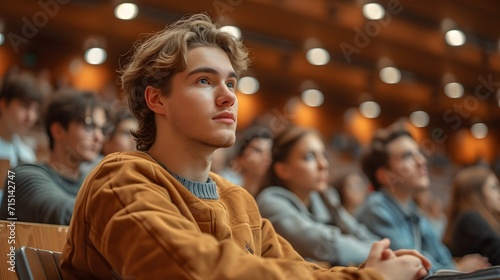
(310, 238)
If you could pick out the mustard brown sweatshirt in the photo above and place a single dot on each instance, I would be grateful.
(135, 220)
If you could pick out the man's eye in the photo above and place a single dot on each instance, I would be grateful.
(231, 85)
(203, 81)
(407, 155)
(309, 156)
(89, 127)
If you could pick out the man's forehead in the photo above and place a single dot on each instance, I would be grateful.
(401, 144)
(208, 57)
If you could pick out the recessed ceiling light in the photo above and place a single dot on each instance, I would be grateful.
(318, 56)
(233, 30)
(455, 37)
(454, 90)
(419, 118)
(373, 11)
(248, 85)
(369, 109)
(126, 11)
(95, 56)
(479, 130)
(312, 97)
(390, 75)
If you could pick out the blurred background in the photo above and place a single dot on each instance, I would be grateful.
(345, 67)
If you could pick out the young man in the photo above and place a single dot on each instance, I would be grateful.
(397, 169)
(119, 138)
(251, 160)
(20, 100)
(45, 192)
(158, 213)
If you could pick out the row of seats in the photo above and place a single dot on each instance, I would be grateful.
(36, 247)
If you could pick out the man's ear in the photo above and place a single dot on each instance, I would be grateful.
(3, 104)
(57, 131)
(282, 170)
(386, 178)
(154, 99)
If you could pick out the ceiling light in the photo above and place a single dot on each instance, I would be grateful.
(312, 97)
(318, 56)
(479, 130)
(454, 90)
(369, 109)
(126, 11)
(455, 37)
(419, 118)
(248, 85)
(95, 56)
(233, 30)
(2, 39)
(373, 11)
(390, 75)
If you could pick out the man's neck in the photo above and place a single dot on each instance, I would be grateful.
(401, 196)
(5, 133)
(183, 159)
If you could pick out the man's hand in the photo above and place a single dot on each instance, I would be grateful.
(398, 265)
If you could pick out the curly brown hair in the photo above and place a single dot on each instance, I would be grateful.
(156, 60)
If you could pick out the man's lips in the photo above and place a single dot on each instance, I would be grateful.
(225, 117)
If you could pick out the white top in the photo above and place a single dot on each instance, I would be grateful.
(16, 152)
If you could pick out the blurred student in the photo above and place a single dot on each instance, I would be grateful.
(20, 100)
(352, 189)
(397, 168)
(252, 159)
(474, 214)
(74, 123)
(432, 206)
(158, 213)
(118, 139)
(298, 205)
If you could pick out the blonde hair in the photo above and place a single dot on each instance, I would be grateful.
(156, 60)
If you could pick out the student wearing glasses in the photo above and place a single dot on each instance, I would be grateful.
(397, 168)
(75, 123)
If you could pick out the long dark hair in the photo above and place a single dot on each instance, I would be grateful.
(467, 194)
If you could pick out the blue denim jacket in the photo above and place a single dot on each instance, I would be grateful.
(406, 228)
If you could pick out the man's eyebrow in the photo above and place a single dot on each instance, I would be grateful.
(211, 70)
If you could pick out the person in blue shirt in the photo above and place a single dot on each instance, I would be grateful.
(397, 168)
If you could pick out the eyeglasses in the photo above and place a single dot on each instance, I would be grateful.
(90, 126)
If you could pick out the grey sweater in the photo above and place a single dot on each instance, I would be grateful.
(41, 195)
(309, 231)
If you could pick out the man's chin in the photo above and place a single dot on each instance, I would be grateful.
(226, 140)
(90, 157)
(424, 184)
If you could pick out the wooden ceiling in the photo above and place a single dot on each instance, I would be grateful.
(409, 37)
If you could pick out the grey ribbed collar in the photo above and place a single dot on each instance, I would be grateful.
(207, 190)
